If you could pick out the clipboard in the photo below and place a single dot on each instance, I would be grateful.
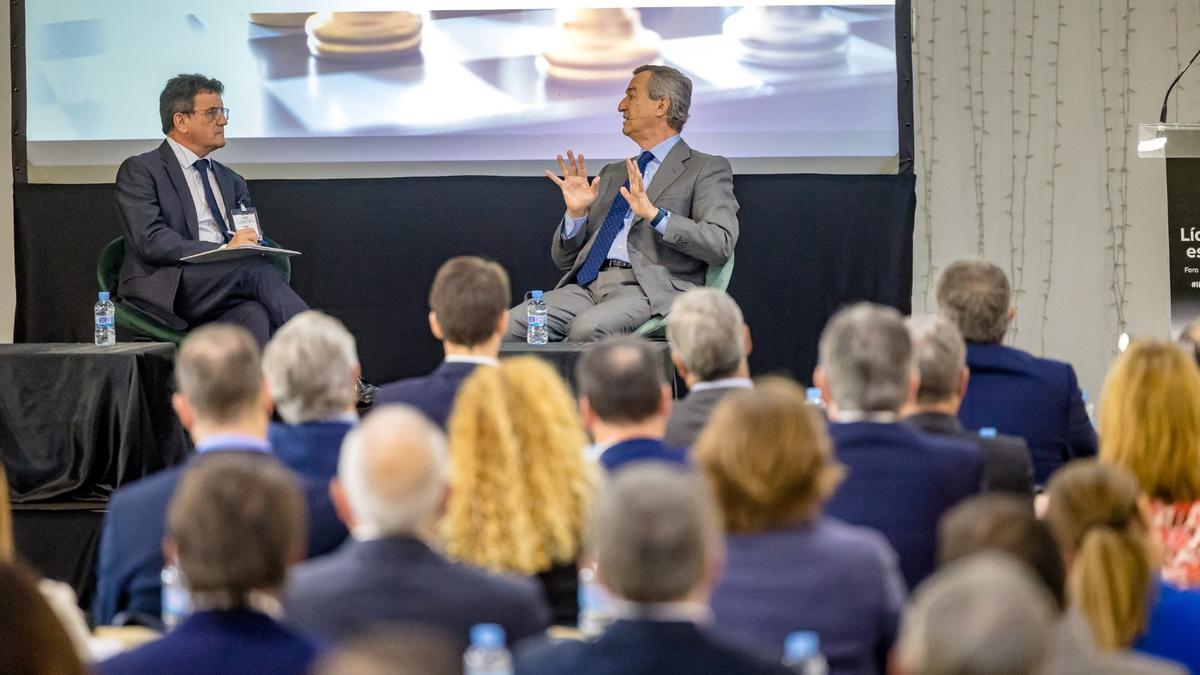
(225, 253)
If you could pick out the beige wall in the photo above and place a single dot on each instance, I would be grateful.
(8, 291)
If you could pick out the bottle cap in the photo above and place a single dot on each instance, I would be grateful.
(488, 635)
(987, 432)
(801, 644)
(104, 296)
(536, 295)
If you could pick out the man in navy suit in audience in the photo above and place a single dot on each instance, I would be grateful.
(468, 312)
(898, 480)
(1011, 390)
(224, 404)
(391, 489)
(709, 345)
(941, 362)
(624, 402)
(311, 367)
(659, 551)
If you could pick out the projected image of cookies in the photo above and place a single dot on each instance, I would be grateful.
(789, 36)
(363, 35)
(596, 45)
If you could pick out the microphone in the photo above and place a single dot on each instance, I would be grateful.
(1162, 117)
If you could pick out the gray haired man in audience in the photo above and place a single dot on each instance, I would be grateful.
(390, 491)
(709, 345)
(659, 552)
(941, 362)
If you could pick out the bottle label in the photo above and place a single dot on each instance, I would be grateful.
(104, 321)
(537, 321)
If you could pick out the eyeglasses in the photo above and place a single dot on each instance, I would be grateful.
(213, 114)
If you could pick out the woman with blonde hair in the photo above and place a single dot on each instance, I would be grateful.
(520, 484)
(1150, 426)
(789, 567)
(1098, 518)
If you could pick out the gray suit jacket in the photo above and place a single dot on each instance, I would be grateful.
(697, 189)
(690, 414)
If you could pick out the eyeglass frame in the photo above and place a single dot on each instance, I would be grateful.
(214, 113)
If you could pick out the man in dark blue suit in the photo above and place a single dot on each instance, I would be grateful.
(899, 481)
(224, 405)
(174, 202)
(659, 551)
(1011, 390)
(390, 490)
(624, 403)
(468, 312)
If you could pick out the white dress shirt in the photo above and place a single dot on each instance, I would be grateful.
(209, 230)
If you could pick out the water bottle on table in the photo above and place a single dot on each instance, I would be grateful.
(106, 324)
(535, 313)
(176, 602)
(802, 653)
(487, 654)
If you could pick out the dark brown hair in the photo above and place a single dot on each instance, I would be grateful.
(468, 295)
(32, 641)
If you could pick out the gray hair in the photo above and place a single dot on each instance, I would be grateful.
(667, 82)
(310, 365)
(704, 328)
(983, 615)
(940, 354)
(654, 531)
(393, 468)
(867, 356)
(975, 295)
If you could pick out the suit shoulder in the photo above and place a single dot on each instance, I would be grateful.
(547, 656)
(157, 486)
(407, 390)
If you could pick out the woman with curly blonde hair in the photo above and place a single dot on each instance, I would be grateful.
(520, 485)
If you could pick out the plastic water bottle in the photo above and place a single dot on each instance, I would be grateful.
(535, 312)
(487, 654)
(106, 324)
(802, 653)
(1089, 407)
(176, 603)
(987, 432)
(595, 604)
(813, 397)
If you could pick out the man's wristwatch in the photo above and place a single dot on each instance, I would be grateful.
(662, 213)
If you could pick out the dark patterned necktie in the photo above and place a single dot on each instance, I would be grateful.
(613, 223)
(202, 166)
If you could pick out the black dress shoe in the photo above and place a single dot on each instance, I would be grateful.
(366, 396)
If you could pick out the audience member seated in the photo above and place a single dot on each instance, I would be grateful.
(625, 402)
(468, 312)
(235, 524)
(658, 547)
(1011, 390)
(1098, 519)
(789, 567)
(519, 481)
(1007, 524)
(390, 490)
(32, 639)
(709, 345)
(223, 403)
(311, 368)
(985, 614)
(900, 481)
(941, 363)
(1150, 426)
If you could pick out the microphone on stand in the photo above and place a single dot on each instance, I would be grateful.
(1162, 117)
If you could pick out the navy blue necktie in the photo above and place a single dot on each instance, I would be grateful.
(613, 222)
(202, 166)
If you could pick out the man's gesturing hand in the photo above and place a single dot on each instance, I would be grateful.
(577, 192)
(635, 194)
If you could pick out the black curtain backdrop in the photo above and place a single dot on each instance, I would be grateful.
(809, 245)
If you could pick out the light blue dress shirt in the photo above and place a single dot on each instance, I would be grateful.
(620, 246)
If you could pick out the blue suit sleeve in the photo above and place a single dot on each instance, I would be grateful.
(1081, 435)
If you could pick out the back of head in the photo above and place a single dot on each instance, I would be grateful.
(469, 294)
(940, 355)
(866, 354)
(1150, 419)
(1094, 515)
(393, 470)
(521, 483)
(32, 641)
(768, 457)
(982, 615)
(655, 532)
(311, 365)
(1006, 524)
(622, 379)
(975, 295)
(705, 330)
(219, 371)
(236, 521)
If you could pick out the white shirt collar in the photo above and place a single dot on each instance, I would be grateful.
(693, 612)
(186, 157)
(471, 358)
(878, 417)
(723, 383)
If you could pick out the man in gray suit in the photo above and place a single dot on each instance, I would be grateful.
(709, 345)
(644, 230)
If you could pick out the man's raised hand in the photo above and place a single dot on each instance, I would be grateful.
(578, 193)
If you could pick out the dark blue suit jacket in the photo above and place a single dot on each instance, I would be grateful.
(641, 450)
(1034, 398)
(219, 642)
(650, 647)
(900, 482)
(433, 394)
(311, 450)
(401, 580)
